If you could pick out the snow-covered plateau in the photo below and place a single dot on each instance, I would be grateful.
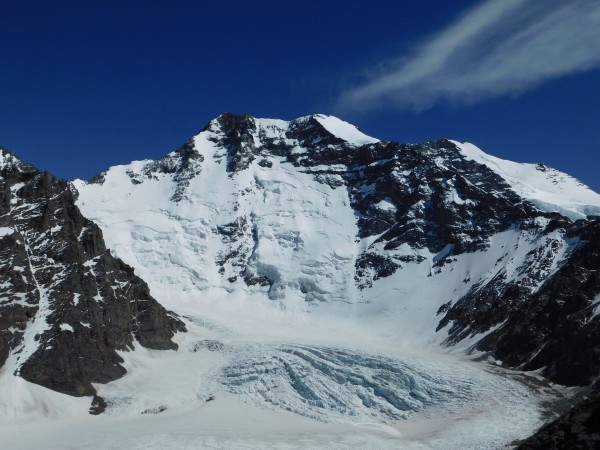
(337, 292)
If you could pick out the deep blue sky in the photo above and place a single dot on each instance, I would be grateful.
(88, 84)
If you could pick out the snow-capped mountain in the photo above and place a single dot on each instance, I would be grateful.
(325, 274)
(313, 213)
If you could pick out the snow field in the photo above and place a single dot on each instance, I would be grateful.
(547, 188)
(311, 359)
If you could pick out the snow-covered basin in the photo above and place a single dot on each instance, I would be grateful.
(228, 385)
(183, 400)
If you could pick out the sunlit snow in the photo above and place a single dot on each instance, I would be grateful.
(547, 188)
(344, 130)
(308, 359)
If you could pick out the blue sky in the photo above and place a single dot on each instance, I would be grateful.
(86, 85)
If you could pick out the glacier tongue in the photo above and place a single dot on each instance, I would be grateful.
(320, 270)
(328, 383)
(221, 390)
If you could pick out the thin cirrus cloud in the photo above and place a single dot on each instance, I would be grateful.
(500, 47)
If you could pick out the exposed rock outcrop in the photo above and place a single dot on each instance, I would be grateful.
(66, 304)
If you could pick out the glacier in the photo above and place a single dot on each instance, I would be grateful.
(313, 296)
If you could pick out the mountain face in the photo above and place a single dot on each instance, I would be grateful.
(316, 269)
(66, 304)
(434, 244)
(553, 327)
(312, 211)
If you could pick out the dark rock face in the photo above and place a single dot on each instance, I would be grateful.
(184, 163)
(553, 328)
(578, 429)
(66, 304)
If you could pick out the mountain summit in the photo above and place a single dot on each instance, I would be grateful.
(317, 271)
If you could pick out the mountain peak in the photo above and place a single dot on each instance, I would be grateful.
(321, 140)
(9, 160)
(343, 130)
(326, 126)
(269, 230)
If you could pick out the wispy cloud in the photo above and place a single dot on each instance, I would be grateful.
(500, 47)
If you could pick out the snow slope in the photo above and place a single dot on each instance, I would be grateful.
(344, 130)
(547, 188)
(278, 242)
(260, 255)
(301, 242)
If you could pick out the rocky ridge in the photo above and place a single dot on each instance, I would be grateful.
(67, 305)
